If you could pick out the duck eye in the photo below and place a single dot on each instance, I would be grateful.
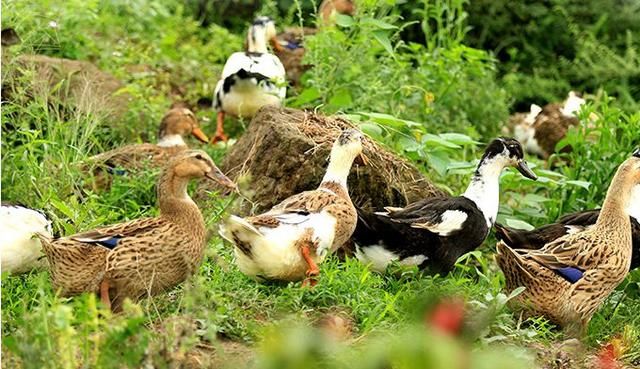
(199, 157)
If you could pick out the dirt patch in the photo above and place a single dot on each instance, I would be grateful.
(285, 151)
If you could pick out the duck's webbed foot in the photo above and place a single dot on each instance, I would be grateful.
(306, 247)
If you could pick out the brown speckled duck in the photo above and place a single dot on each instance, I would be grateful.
(143, 256)
(568, 224)
(568, 279)
(287, 242)
(177, 123)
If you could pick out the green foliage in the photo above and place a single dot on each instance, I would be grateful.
(364, 66)
(549, 48)
(404, 94)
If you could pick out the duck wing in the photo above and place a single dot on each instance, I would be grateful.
(582, 218)
(534, 239)
(110, 236)
(265, 64)
(295, 209)
(441, 216)
(568, 256)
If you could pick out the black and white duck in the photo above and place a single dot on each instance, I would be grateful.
(250, 79)
(435, 232)
(570, 224)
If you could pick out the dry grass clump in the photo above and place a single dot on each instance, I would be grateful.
(284, 151)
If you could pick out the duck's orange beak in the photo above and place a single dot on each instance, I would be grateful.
(197, 133)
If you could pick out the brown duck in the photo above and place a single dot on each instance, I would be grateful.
(571, 223)
(143, 256)
(568, 279)
(177, 123)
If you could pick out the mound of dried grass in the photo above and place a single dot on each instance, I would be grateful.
(285, 151)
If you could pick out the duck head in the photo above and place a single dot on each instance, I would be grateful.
(193, 164)
(346, 148)
(177, 123)
(503, 152)
(350, 142)
(262, 29)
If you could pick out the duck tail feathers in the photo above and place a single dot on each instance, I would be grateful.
(507, 258)
(240, 233)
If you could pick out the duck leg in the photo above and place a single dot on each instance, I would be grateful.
(104, 293)
(306, 245)
(313, 271)
(220, 136)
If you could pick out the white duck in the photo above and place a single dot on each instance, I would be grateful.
(20, 250)
(287, 242)
(250, 79)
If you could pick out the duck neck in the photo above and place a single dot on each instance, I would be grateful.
(257, 40)
(615, 209)
(177, 206)
(339, 168)
(484, 189)
(171, 140)
(634, 203)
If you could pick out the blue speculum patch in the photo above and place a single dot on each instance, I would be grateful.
(570, 274)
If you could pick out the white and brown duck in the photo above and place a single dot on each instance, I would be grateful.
(289, 241)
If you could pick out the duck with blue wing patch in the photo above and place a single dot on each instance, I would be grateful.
(568, 279)
(435, 232)
(143, 256)
(569, 224)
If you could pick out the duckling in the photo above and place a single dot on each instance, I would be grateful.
(568, 279)
(329, 8)
(143, 256)
(177, 123)
(436, 231)
(20, 250)
(289, 241)
(569, 224)
(250, 79)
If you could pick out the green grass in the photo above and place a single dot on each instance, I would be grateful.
(44, 137)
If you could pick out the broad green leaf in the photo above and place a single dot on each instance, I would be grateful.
(583, 184)
(430, 140)
(378, 23)
(371, 129)
(459, 139)
(344, 20)
(341, 99)
(519, 224)
(383, 39)
(439, 160)
(307, 96)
